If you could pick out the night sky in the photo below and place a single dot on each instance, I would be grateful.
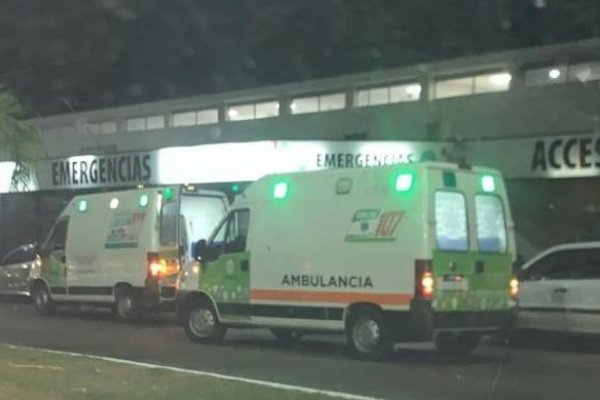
(81, 54)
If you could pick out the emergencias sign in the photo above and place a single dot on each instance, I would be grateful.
(225, 162)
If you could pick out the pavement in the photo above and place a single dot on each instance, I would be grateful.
(543, 367)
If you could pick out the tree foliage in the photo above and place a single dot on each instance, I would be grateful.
(19, 140)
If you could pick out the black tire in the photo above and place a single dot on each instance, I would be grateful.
(287, 336)
(368, 334)
(42, 301)
(456, 343)
(126, 306)
(201, 322)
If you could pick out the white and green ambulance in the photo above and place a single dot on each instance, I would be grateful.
(385, 254)
(123, 249)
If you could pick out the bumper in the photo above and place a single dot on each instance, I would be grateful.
(424, 321)
(157, 296)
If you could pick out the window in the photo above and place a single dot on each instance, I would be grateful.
(388, 94)
(305, 105)
(191, 118)
(451, 221)
(491, 223)
(58, 237)
(546, 75)
(483, 83)
(327, 102)
(237, 231)
(562, 264)
(19, 256)
(332, 102)
(245, 112)
(453, 88)
(155, 122)
(490, 83)
(102, 128)
(585, 72)
(168, 224)
(135, 124)
(145, 123)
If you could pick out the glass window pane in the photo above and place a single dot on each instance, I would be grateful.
(168, 224)
(410, 92)
(135, 124)
(108, 127)
(332, 102)
(585, 72)
(304, 105)
(237, 232)
(241, 112)
(208, 116)
(155, 122)
(184, 119)
(491, 224)
(496, 82)
(451, 221)
(362, 98)
(454, 88)
(267, 109)
(546, 76)
(379, 96)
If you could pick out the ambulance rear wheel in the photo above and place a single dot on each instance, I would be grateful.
(201, 322)
(287, 336)
(456, 343)
(368, 334)
(42, 302)
(126, 307)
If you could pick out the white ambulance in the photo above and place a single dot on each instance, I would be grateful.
(385, 254)
(123, 249)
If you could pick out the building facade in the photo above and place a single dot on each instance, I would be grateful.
(532, 113)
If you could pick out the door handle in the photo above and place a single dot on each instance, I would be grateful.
(560, 290)
(245, 265)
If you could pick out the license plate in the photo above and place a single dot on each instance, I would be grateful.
(455, 282)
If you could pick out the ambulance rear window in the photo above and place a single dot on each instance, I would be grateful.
(451, 221)
(491, 223)
(168, 224)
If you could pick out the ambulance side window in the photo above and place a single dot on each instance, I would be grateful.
(58, 237)
(491, 223)
(237, 231)
(451, 221)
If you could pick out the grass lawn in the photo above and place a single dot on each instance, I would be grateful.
(27, 374)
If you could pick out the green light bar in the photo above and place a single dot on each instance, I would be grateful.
(143, 200)
(82, 206)
(280, 190)
(488, 183)
(168, 193)
(404, 182)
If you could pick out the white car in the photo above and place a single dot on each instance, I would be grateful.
(15, 269)
(560, 290)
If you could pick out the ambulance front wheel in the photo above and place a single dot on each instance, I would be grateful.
(368, 334)
(456, 343)
(201, 322)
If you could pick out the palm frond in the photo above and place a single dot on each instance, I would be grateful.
(19, 140)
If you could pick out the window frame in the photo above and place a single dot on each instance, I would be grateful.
(467, 220)
(496, 195)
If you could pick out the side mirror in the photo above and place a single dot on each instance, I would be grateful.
(200, 250)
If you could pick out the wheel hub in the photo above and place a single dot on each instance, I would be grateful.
(366, 335)
(202, 322)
